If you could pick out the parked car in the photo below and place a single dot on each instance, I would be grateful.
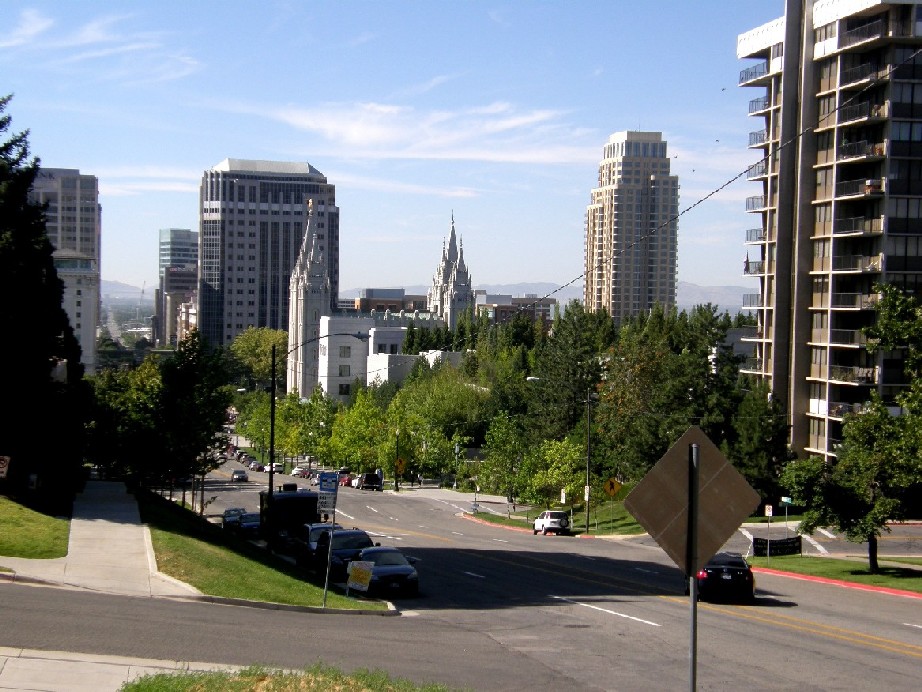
(726, 576)
(277, 467)
(239, 476)
(315, 479)
(301, 472)
(393, 572)
(347, 543)
(355, 481)
(345, 479)
(256, 466)
(305, 542)
(370, 481)
(551, 521)
(249, 524)
(231, 517)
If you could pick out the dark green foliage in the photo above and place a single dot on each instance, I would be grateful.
(43, 370)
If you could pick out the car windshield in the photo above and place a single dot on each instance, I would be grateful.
(388, 558)
(351, 541)
(249, 517)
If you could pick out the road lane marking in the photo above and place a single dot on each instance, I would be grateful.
(819, 629)
(472, 574)
(500, 540)
(372, 509)
(609, 612)
(826, 533)
(457, 533)
(909, 624)
(812, 541)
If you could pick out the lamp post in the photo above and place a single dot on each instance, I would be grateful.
(588, 451)
(357, 335)
(397, 464)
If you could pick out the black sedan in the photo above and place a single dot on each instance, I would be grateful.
(726, 576)
(393, 572)
(347, 543)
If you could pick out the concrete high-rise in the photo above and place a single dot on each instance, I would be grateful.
(73, 224)
(253, 218)
(178, 260)
(839, 140)
(631, 242)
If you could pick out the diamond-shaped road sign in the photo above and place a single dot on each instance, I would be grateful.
(660, 501)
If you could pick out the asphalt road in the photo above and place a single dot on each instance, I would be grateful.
(506, 610)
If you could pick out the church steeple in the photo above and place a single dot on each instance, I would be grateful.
(451, 292)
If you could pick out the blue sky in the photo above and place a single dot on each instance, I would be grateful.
(495, 112)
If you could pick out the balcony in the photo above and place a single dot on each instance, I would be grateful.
(752, 365)
(753, 268)
(854, 301)
(756, 203)
(861, 150)
(861, 73)
(869, 187)
(857, 263)
(754, 73)
(852, 375)
(758, 105)
(757, 170)
(858, 225)
(859, 112)
(758, 138)
(847, 337)
(752, 300)
(868, 32)
(755, 235)
(839, 409)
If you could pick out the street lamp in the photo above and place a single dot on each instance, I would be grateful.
(589, 398)
(356, 335)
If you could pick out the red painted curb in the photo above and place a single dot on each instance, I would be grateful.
(838, 582)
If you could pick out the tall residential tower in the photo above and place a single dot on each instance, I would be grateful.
(838, 134)
(632, 228)
(253, 219)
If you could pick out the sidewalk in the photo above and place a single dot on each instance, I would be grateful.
(110, 552)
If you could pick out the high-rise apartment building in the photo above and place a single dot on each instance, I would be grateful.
(839, 136)
(631, 242)
(73, 223)
(253, 216)
(178, 262)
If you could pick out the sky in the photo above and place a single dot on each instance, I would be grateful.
(491, 113)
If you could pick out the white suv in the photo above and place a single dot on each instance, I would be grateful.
(551, 522)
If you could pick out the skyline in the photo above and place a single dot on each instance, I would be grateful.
(416, 112)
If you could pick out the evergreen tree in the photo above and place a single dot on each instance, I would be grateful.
(43, 370)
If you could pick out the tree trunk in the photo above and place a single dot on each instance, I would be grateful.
(873, 566)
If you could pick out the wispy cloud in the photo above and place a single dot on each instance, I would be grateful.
(102, 45)
(31, 25)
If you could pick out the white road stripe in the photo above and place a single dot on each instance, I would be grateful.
(500, 540)
(471, 574)
(372, 509)
(610, 612)
(826, 533)
(909, 624)
(812, 541)
(457, 534)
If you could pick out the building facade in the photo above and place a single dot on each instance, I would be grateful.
(74, 226)
(252, 227)
(309, 300)
(451, 294)
(178, 265)
(838, 134)
(631, 228)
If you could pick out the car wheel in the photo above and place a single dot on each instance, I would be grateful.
(545, 531)
(534, 532)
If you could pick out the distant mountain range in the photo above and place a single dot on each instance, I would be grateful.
(726, 298)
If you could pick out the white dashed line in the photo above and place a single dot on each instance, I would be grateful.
(476, 576)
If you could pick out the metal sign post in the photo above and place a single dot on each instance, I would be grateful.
(691, 560)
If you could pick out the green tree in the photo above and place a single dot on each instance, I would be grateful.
(859, 492)
(503, 454)
(194, 403)
(43, 369)
(252, 349)
(760, 450)
(358, 433)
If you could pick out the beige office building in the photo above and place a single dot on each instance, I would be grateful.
(631, 228)
(73, 224)
(837, 140)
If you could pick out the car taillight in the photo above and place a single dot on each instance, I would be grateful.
(702, 574)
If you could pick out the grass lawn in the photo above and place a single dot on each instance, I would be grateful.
(199, 553)
(856, 571)
(30, 534)
(318, 678)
